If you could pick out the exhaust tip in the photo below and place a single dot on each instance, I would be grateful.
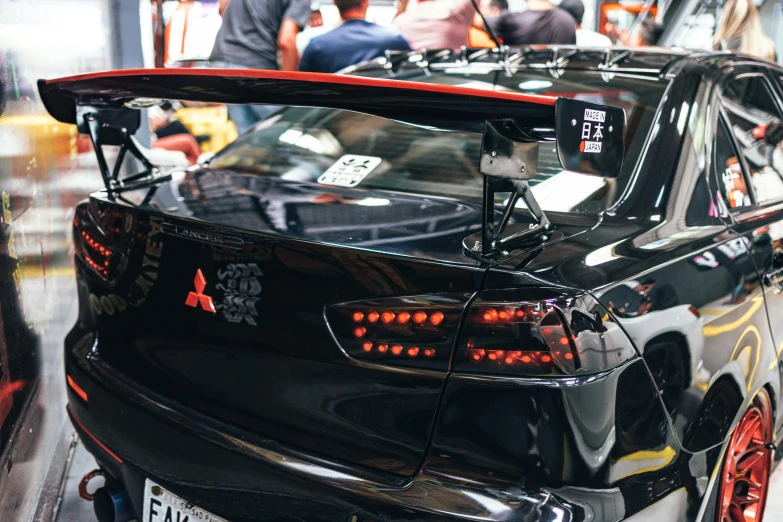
(112, 504)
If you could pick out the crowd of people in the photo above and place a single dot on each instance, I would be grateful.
(262, 34)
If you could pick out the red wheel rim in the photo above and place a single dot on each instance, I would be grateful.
(746, 466)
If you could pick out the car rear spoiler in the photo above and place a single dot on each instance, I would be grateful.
(443, 106)
(590, 138)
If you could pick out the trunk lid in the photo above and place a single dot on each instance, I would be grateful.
(271, 257)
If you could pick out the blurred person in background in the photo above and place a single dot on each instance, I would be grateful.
(478, 37)
(542, 23)
(435, 24)
(354, 40)
(584, 37)
(171, 134)
(739, 30)
(251, 35)
(647, 34)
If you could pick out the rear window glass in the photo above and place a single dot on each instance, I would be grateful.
(301, 144)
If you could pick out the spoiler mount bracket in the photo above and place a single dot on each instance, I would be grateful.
(104, 128)
(509, 158)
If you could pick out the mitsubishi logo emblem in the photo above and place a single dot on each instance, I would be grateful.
(198, 297)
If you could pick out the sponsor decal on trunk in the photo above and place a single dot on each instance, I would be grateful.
(138, 290)
(241, 287)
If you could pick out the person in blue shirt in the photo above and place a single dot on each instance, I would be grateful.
(354, 40)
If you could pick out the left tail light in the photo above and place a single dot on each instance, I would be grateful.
(94, 249)
(539, 332)
(95, 241)
(415, 331)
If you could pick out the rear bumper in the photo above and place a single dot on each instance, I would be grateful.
(135, 434)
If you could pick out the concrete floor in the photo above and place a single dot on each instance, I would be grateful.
(74, 509)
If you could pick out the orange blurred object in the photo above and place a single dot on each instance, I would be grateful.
(76, 388)
(185, 143)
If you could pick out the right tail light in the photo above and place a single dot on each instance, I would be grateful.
(414, 331)
(539, 332)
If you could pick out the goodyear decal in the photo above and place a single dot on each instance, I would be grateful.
(140, 288)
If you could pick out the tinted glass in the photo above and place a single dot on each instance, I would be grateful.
(750, 106)
(302, 143)
(732, 188)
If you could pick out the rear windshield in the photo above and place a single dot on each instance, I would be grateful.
(301, 144)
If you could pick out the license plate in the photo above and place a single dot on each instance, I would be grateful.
(163, 506)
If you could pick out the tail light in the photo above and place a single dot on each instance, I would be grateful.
(95, 251)
(539, 332)
(416, 331)
(92, 230)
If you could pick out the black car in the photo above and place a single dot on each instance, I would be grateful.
(537, 284)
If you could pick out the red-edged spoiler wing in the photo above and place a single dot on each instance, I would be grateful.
(590, 137)
(442, 106)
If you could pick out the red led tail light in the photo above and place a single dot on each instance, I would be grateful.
(99, 247)
(417, 331)
(95, 253)
(536, 332)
